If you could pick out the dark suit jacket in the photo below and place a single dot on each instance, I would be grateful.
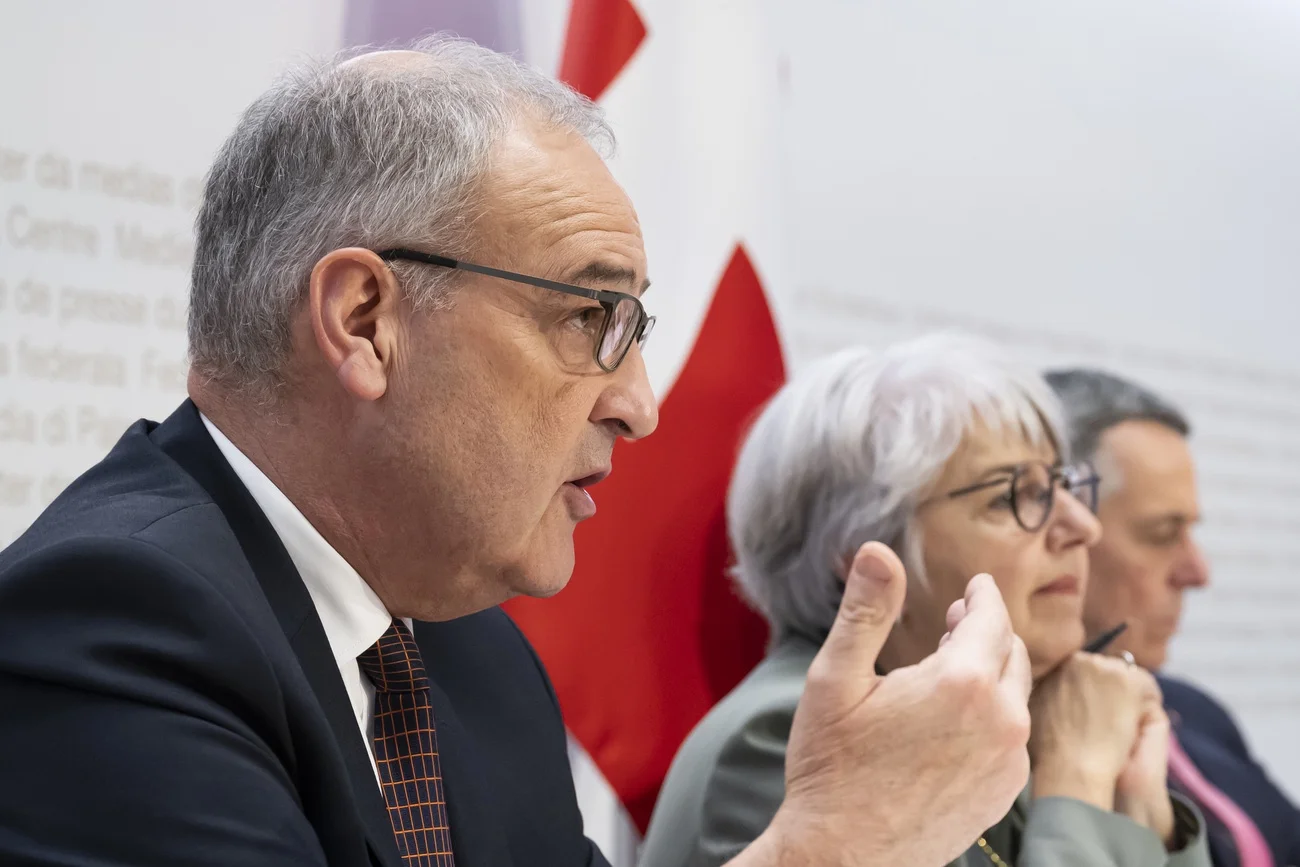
(1214, 743)
(168, 696)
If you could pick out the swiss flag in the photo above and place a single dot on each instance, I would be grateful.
(649, 634)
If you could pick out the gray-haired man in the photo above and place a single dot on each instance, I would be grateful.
(1145, 562)
(265, 631)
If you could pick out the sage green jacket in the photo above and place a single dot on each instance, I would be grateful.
(728, 779)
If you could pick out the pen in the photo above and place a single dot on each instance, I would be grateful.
(1101, 642)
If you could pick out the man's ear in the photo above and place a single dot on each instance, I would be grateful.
(354, 308)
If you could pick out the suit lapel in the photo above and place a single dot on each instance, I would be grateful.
(186, 440)
(323, 674)
(476, 836)
(473, 809)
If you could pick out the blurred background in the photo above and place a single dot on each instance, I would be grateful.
(1109, 183)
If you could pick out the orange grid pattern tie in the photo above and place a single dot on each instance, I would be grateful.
(406, 749)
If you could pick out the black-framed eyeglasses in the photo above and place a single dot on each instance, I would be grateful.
(1031, 490)
(624, 320)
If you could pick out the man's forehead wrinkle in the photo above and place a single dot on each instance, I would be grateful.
(564, 199)
(563, 215)
(577, 224)
(536, 182)
(539, 202)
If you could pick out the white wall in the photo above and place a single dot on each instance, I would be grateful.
(1092, 181)
(1089, 180)
(109, 115)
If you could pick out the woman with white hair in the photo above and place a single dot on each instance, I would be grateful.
(952, 455)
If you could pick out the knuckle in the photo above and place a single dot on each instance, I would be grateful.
(1093, 662)
(1017, 727)
(863, 614)
(966, 683)
(1079, 665)
(1106, 669)
(1119, 666)
(819, 677)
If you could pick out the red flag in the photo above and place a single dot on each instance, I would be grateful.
(602, 37)
(650, 634)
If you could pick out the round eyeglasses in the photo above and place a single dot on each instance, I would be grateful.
(1031, 490)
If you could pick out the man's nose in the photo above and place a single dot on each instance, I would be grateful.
(1191, 571)
(628, 402)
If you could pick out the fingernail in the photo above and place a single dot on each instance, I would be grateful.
(874, 570)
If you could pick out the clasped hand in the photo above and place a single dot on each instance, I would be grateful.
(1100, 735)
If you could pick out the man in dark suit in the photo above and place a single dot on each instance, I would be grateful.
(1210, 738)
(265, 630)
(1144, 563)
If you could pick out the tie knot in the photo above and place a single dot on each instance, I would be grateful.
(393, 662)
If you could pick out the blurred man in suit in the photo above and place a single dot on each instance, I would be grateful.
(265, 631)
(1144, 563)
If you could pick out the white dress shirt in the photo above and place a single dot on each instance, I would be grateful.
(353, 616)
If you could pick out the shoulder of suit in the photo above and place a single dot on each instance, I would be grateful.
(1179, 693)
(130, 491)
(1192, 709)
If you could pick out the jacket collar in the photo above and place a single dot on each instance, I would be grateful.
(184, 438)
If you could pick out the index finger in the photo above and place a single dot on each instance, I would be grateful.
(984, 632)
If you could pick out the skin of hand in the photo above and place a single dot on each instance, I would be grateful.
(1141, 790)
(912, 766)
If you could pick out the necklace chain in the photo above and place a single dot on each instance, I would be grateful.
(993, 856)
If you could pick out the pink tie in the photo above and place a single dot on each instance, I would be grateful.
(1252, 850)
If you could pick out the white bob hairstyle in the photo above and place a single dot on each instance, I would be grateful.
(845, 452)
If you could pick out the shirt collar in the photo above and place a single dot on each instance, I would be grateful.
(354, 618)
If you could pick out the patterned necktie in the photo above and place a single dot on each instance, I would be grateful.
(406, 749)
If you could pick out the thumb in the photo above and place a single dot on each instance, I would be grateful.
(873, 596)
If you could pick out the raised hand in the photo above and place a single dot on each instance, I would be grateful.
(912, 766)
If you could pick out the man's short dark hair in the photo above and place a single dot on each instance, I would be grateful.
(1096, 401)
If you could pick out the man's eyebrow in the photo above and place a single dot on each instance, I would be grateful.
(603, 272)
(1178, 518)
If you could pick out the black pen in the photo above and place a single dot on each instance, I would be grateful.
(1101, 642)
